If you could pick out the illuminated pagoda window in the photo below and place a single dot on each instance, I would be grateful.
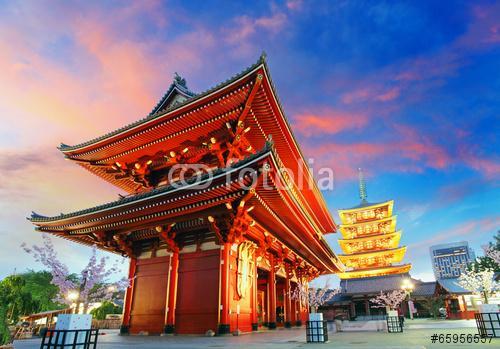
(370, 240)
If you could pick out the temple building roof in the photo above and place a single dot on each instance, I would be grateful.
(158, 111)
(130, 199)
(371, 285)
(177, 93)
(276, 208)
(424, 289)
(452, 286)
(194, 124)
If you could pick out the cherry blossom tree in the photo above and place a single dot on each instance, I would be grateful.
(391, 299)
(91, 285)
(479, 282)
(315, 297)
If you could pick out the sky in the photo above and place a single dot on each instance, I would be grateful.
(409, 91)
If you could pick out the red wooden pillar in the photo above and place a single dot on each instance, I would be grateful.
(224, 327)
(172, 293)
(127, 306)
(298, 312)
(288, 300)
(367, 306)
(255, 288)
(272, 295)
(465, 308)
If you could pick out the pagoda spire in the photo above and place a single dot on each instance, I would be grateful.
(362, 186)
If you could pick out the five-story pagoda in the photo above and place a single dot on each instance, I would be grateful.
(370, 239)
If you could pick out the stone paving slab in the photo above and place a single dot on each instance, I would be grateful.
(284, 339)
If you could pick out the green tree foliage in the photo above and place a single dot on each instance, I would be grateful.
(17, 300)
(105, 309)
(38, 284)
(27, 293)
(5, 298)
(436, 303)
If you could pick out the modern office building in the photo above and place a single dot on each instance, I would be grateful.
(449, 260)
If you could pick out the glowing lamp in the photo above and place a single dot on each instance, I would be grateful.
(172, 154)
(149, 162)
(213, 140)
(73, 295)
(185, 150)
(407, 285)
(228, 205)
(250, 208)
(159, 228)
(211, 219)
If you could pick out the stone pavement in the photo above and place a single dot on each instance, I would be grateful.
(412, 338)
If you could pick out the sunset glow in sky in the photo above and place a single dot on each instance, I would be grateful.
(410, 92)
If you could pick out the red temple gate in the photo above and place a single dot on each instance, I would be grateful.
(218, 227)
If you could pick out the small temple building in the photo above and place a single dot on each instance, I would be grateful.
(222, 218)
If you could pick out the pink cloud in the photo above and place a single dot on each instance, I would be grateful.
(391, 94)
(407, 152)
(416, 77)
(419, 147)
(246, 26)
(294, 5)
(470, 230)
(327, 121)
(371, 93)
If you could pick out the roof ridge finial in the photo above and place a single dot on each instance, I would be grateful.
(362, 186)
(179, 80)
(263, 56)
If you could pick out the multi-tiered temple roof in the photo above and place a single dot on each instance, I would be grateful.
(370, 239)
(239, 124)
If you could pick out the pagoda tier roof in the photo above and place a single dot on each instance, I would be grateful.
(395, 237)
(365, 205)
(372, 237)
(399, 252)
(371, 272)
(353, 235)
(276, 209)
(390, 218)
(195, 120)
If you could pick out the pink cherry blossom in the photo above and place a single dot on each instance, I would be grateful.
(91, 285)
(391, 299)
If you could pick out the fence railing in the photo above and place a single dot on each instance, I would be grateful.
(317, 331)
(395, 324)
(75, 339)
(488, 324)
